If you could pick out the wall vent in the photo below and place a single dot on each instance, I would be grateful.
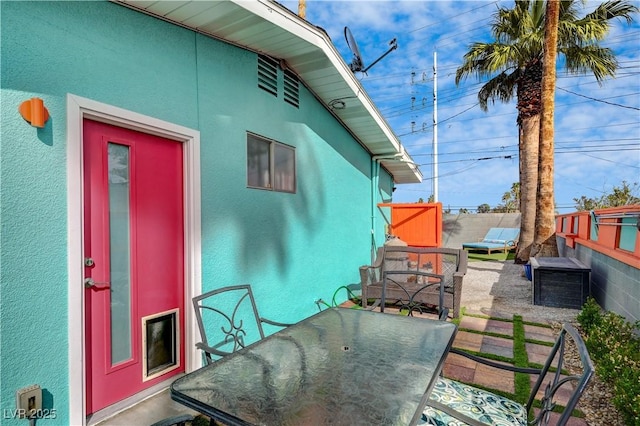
(291, 88)
(268, 74)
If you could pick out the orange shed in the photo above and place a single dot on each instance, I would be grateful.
(417, 224)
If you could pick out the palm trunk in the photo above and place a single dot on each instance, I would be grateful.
(529, 135)
(529, 92)
(544, 243)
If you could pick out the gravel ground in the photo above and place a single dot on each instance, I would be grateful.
(501, 289)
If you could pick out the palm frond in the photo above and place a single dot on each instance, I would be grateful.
(599, 60)
(568, 10)
(501, 87)
(537, 12)
(509, 25)
(519, 37)
(614, 9)
(582, 32)
(485, 59)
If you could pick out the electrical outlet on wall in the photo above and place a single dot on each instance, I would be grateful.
(29, 400)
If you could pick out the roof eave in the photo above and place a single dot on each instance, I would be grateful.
(273, 30)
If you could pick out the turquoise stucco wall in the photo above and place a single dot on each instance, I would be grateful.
(293, 248)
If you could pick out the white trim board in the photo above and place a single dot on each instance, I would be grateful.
(79, 108)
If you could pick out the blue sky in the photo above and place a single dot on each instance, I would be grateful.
(597, 128)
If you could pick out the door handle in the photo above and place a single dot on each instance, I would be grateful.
(90, 283)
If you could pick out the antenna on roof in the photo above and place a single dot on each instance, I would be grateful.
(356, 63)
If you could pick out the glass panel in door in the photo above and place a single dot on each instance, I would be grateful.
(120, 265)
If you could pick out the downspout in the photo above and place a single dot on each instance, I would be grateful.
(375, 179)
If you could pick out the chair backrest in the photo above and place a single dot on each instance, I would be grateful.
(228, 320)
(557, 386)
(411, 286)
(510, 234)
(493, 234)
(435, 260)
(502, 235)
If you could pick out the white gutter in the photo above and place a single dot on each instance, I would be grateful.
(375, 179)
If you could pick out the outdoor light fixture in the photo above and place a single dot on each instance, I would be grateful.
(34, 112)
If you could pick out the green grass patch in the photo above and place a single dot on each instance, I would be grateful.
(536, 324)
(539, 342)
(521, 359)
(486, 333)
(486, 317)
(490, 356)
(483, 257)
(457, 321)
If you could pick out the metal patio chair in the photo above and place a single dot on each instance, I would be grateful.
(228, 320)
(453, 403)
(409, 289)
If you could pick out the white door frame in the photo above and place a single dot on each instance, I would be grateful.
(79, 108)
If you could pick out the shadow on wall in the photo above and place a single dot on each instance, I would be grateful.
(260, 222)
(269, 225)
(463, 228)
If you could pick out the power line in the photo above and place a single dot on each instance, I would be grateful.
(515, 155)
(611, 161)
(597, 100)
(459, 141)
(451, 17)
(402, 109)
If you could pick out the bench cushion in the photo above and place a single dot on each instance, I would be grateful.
(486, 407)
(494, 241)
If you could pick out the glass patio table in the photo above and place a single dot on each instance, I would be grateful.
(339, 367)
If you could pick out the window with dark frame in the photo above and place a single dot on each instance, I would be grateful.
(270, 165)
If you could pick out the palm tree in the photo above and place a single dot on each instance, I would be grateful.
(513, 63)
(544, 241)
(511, 199)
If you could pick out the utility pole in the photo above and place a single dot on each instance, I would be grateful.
(435, 129)
(302, 9)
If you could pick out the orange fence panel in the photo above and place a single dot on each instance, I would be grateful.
(417, 224)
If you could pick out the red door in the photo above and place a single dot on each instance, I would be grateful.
(134, 255)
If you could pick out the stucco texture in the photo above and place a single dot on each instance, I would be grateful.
(292, 248)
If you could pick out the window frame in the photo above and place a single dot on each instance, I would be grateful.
(272, 146)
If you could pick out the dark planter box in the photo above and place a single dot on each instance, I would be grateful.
(560, 282)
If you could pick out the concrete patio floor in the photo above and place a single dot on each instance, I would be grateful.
(153, 409)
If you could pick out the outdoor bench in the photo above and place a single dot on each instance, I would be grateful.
(451, 264)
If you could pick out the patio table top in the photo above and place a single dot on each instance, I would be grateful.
(340, 366)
